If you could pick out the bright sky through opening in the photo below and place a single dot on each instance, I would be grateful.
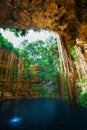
(31, 36)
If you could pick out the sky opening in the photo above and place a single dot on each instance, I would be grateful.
(31, 36)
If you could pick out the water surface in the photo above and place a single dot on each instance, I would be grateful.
(40, 114)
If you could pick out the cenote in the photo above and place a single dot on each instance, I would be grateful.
(40, 114)
(43, 65)
(40, 87)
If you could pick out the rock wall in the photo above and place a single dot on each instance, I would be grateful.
(8, 66)
(67, 18)
(12, 82)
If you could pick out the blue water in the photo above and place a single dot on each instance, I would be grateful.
(40, 114)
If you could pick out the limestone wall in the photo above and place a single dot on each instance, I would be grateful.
(12, 82)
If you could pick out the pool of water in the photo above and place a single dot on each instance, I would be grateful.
(40, 114)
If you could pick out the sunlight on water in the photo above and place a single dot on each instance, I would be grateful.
(15, 121)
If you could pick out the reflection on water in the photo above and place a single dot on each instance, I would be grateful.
(15, 121)
(33, 114)
(40, 114)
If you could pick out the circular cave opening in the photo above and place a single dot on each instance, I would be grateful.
(33, 71)
(32, 64)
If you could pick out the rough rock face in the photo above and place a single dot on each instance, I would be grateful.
(67, 18)
(12, 84)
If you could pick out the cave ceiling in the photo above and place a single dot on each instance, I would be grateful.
(66, 17)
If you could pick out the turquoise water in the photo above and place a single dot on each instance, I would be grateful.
(40, 114)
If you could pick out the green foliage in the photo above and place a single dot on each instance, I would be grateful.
(45, 54)
(82, 82)
(5, 44)
(27, 74)
(18, 32)
(41, 90)
(16, 51)
(37, 88)
(66, 95)
(10, 46)
(73, 53)
(33, 74)
(83, 99)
